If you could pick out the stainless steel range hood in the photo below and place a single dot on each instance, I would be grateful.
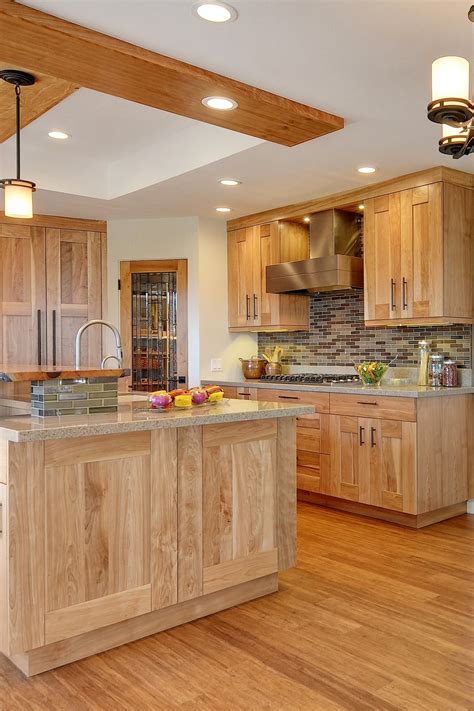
(335, 263)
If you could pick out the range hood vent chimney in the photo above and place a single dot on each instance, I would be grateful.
(335, 263)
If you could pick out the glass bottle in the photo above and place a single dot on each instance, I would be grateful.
(423, 355)
(435, 370)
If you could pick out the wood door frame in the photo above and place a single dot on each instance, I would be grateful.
(127, 268)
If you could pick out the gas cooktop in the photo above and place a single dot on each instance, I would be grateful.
(311, 378)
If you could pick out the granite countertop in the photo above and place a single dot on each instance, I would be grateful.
(134, 415)
(12, 373)
(408, 390)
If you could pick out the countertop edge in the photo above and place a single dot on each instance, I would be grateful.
(389, 391)
(65, 431)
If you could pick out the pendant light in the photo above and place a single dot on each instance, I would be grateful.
(451, 105)
(18, 192)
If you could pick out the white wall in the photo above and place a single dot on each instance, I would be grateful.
(215, 339)
(203, 243)
(157, 239)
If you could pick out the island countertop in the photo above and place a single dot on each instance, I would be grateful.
(134, 416)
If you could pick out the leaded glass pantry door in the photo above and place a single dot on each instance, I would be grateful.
(153, 322)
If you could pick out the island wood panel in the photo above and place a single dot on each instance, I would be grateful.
(190, 523)
(3, 454)
(74, 294)
(97, 530)
(286, 493)
(443, 443)
(94, 614)
(27, 545)
(58, 48)
(164, 518)
(3, 570)
(239, 501)
(22, 294)
(95, 449)
(45, 93)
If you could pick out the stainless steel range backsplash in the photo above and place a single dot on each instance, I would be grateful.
(337, 336)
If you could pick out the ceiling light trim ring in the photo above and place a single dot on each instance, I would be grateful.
(232, 103)
(232, 16)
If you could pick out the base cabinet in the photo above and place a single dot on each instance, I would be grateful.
(373, 462)
(106, 529)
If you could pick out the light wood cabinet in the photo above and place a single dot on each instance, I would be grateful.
(250, 251)
(373, 461)
(22, 294)
(51, 284)
(107, 529)
(418, 256)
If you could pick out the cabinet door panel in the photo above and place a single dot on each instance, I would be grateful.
(98, 530)
(22, 295)
(382, 291)
(74, 287)
(422, 251)
(239, 501)
(343, 476)
(241, 247)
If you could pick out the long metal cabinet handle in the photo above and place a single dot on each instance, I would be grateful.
(54, 336)
(247, 301)
(392, 294)
(38, 320)
(255, 301)
(288, 397)
(404, 294)
(372, 437)
(361, 436)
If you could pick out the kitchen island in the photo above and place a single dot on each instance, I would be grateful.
(117, 526)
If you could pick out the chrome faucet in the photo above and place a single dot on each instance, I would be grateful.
(118, 341)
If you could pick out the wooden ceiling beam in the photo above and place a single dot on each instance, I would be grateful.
(35, 100)
(83, 57)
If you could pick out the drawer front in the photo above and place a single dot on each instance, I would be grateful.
(367, 405)
(308, 439)
(230, 392)
(310, 478)
(308, 459)
(320, 401)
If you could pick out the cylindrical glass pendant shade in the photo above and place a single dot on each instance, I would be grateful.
(18, 198)
(450, 78)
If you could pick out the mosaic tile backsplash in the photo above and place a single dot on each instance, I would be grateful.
(337, 336)
(84, 396)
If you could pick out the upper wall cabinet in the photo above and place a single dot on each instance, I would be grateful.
(250, 251)
(418, 256)
(50, 285)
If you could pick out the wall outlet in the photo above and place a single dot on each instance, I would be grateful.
(216, 365)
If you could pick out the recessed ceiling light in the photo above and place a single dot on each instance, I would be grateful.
(307, 219)
(229, 181)
(215, 11)
(223, 209)
(60, 135)
(361, 207)
(221, 103)
(366, 169)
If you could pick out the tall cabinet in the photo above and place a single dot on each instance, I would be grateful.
(250, 251)
(51, 283)
(419, 256)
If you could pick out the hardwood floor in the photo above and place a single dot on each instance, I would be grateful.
(374, 617)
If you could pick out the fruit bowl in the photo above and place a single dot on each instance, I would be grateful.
(371, 372)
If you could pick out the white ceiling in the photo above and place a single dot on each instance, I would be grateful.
(366, 60)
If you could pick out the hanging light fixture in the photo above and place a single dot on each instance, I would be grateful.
(451, 105)
(18, 192)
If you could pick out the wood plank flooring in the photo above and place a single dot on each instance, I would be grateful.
(375, 617)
